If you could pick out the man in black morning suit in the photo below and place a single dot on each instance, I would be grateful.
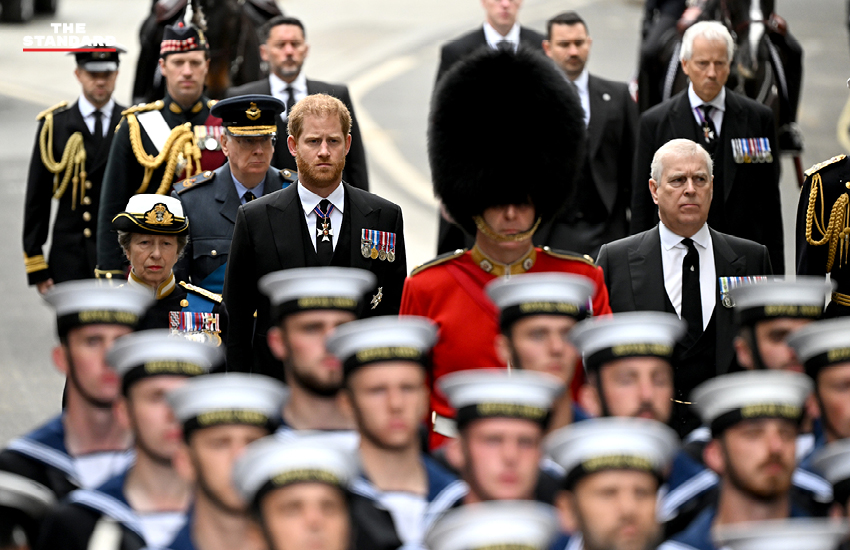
(73, 253)
(670, 268)
(738, 132)
(285, 50)
(302, 226)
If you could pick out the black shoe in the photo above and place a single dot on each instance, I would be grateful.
(790, 139)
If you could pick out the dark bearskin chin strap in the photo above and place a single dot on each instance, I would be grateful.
(498, 237)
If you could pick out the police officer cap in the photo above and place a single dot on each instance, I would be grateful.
(156, 353)
(309, 288)
(228, 398)
(612, 443)
(803, 297)
(833, 462)
(101, 61)
(822, 344)
(631, 334)
(270, 464)
(530, 294)
(91, 302)
(724, 401)
(492, 393)
(782, 534)
(152, 214)
(249, 115)
(518, 525)
(367, 341)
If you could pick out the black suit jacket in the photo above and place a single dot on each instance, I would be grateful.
(355, 162)
(455, 50)
(268, 238)
(750, 207)
(635, 278)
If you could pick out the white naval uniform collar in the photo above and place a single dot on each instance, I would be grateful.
(493, 37)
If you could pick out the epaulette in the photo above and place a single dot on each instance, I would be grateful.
(289, 175)
(211, 102)
(195, 181)
(823, 164)
(143, 107)
(58, 108)
(442, 258)
(201, 292)
(567, 255)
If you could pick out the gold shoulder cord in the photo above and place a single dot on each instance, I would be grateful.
(839, 223)
(181, 142)
(73, 158)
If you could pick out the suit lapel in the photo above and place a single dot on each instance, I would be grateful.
(681, 118)
(645, 266)
(734, 126)
(726, 264)
(225, 193)
(363, 216)
(598, 113)
(286, 218)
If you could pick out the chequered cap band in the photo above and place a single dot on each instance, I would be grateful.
(188, 45)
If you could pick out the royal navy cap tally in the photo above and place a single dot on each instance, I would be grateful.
(631, 334)
(833, 462)
(22, 493)
(228, 398)
(782, 534)
(270, 463)
(496, 524)
(100, 61)
(612, 443)
(157, 353)
(90, 302)
(803, 297)
(541, 294)
(380, 339)
(152, 214)
(822, 344)
(249, 115)
(726, 400)
(309, 288)
(491, 393)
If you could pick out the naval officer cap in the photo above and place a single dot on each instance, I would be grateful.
(822, 344)
(101, 61)
(152, 214)
(530, 294)
(159, 353)
(496, 524)
(782, 534)
(270, 464)
(90, 302)
(732, 398)
(833, 462)
(249, 115)
(622, 335)
(311, 288)
(492, 393)
(800, 298)
(612, 443)
(382, 339)
(228, 398)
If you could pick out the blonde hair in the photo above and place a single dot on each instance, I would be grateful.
(320, 105)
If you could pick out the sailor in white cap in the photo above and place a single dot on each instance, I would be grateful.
(783, 534)
(307, 305)
(833, 462)
(754, 417)
(385, 364)
(220, 414)
(84, 445)
(519, 525)
(499, 426)
(23, 504)
(536, 313)
(146, 504)
(613, 469)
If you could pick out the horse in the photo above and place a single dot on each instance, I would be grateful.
(232, 31)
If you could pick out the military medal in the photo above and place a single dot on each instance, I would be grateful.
(374, 253)
(728, 283)
(211, 143)
(325, 232)
(391, 251)
(382, 252)
(365, 240)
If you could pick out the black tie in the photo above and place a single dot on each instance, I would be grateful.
(709, 131)
(98, 128)
(324, 232)
(505, 45)
(248, 196)
(691, 298)
(290, 99)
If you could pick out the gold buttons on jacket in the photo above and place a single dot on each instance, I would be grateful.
(87, 232)
(86, 216)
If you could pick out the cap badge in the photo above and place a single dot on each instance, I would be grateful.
(159, 215)
(253, 113)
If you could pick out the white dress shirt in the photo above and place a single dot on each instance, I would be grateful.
(310, 200)
(584, 94)
(719, 104)
(493, 37)
(87, 110)
(673, 252)
(278, 88)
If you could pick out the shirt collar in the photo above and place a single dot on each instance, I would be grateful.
(719, 101)
(582, 80)
(278, 85)
(493, 37)
(241, 189)
(310, 200)
(160, 292)
(670, 239)
(86, 108)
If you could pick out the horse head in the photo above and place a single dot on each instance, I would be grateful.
(747, 19)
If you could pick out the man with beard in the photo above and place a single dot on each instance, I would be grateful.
(754, 418)
(86, 444)
(385, 366)
(613, 468)
(307, 305)
(146, 504)
(220, 414)
(321, 221)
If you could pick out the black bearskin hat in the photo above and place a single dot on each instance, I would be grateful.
(504, 128)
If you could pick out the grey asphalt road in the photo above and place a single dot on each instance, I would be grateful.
(387, 51)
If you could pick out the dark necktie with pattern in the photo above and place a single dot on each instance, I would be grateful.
(691, 297)
(324, 232)
(249, 196)
(290, 99)
(98, 128)
(505, 45)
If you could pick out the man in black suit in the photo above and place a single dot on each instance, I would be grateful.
(738, 132)
(322, 220)
(285, 50)
(597, 214)
(682, 266)
(87, 126)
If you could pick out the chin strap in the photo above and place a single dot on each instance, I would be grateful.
(498, 237)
